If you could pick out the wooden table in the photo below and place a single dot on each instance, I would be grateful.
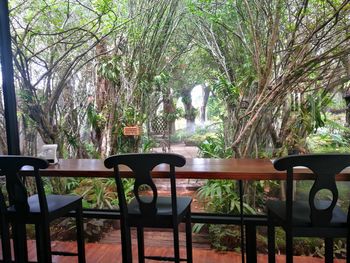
(197, 168)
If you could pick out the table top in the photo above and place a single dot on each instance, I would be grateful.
(196, 168)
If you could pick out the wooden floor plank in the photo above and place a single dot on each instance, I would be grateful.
(107, 253)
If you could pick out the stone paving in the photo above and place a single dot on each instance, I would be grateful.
(181, 148)
(182, 184)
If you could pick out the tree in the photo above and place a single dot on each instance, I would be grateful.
(267, 51)
(53, 45)
(3, 143)
(193, 68)
(141, 56)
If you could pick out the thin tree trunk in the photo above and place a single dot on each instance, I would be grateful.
(190, 111)
(206, 92)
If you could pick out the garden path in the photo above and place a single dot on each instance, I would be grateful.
(187, 151)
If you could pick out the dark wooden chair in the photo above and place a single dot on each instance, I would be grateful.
(314, 217)
(151, 210)
(5, 233)
(39, 209)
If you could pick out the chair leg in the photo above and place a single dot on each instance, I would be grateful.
(43, 241)
(328, 242)
(47, 243)
(289, 246)
(271, 240)
(5, 231)
(5, 241)
(39, 244)
(80, 234)
(176, 244)
(189, 237)
(126, 242)
(348, 248)
(140, 245)
(20, 242)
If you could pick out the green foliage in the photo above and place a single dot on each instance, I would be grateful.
(128, 185)
(91, 150)
(102, 6)
(170, 117)
(221, 196)
(71, 139)
(306, 119)
(223, 237)
(226, 90)
(339, 249)
(161, 80)
(147, 144)
(131, 116)
(109, 68)
(196, 139)
(97, 193)
(216, 110)
(180, 136)
(191, 114)
(72, 184)
(215, 147)
(186, 99)
(333, 137)
(312, 111)
(326, 143)
(210, 10)
(101, 192)
(56, 185)
(301, 245)
(96, 120)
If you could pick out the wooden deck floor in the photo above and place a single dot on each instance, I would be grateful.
(108, 253)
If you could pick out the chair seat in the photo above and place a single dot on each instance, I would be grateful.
(27, 210)
(58, 205)
(164, 215)
(301, 213)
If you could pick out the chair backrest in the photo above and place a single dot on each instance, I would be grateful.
(325, 167)
(10, 167)
(142, 165)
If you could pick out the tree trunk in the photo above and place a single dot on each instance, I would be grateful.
(102, 136)
(206, 92)
(190, 111)
(29, 138)
(169, 111)
(3, 143)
